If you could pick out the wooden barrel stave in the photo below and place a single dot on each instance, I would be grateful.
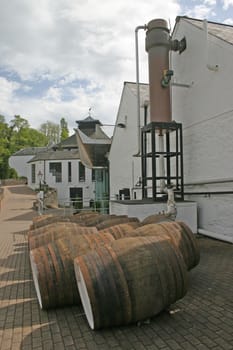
(53, 270)
(148, 273)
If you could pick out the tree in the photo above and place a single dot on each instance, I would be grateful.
(18, 123)
(64, 129)
(4, 148)
(51, 131)
(13, 137)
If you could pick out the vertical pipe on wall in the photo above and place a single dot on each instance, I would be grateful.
(138, 86)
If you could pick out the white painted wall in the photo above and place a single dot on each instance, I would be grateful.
(186, 211)
(63, 188)
(125, 168)
(19, 163)
(206, 112)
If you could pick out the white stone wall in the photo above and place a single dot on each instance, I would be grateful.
(206, 112)
(63, 188)
(19, 163)
(125, 168)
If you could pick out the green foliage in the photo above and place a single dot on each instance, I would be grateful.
(5, 133)
(13, 137)
(51, 131)
(64, 129)
(18, 123)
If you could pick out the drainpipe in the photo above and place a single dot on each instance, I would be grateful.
(211, 67)
(144, 27)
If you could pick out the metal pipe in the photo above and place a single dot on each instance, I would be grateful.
(211, 67)
(207, 193)
(161, 163)
(144, 27)
(206, 182)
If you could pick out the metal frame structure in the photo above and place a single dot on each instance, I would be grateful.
(173, 158)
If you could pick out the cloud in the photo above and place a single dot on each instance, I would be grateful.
(227, 4)
(69, 55)
(203, 10)
(210, 2)
(229, 21)
(7, 91)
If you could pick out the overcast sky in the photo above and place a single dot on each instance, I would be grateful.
(58, 58)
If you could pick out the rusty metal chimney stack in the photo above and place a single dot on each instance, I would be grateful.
(158, 46)
(158, 147)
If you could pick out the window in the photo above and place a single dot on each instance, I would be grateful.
(69, 172)
(97, 175)
(33, 173)
(81, 172)
(56, 170)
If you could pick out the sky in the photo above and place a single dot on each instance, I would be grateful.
(70, 58)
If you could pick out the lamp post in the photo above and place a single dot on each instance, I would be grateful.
(40, 195)
(40, 175)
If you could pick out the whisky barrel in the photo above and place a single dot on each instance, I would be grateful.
(50, 220)
(133, 279)
(79, 218)
(121, 230)
(156, 218)
(84, 217)
(53, 270)
(57, 231)
(41, 217)
(49, 227)
(102, 218)
(180, 236)
(114, 221)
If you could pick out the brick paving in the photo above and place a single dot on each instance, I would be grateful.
(202, 320)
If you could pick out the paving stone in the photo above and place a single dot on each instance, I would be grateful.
(202, 320)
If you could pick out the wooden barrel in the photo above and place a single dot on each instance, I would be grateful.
(84, 218)
(53, 269)
(115, 221)
(78, 218)
(121, 230)
(57, 231)
(41, 217)
(50, 220)
(49, 227)
(131, 280)
(180, 236)
(101, 218)
(156, 218)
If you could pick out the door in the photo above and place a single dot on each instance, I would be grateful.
(76, 196)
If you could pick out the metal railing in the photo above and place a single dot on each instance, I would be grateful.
(78, 205)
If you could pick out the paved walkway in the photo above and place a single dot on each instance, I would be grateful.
(203, 319)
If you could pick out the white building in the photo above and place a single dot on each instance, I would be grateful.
(202, 101)
(19, 159)
(62, 167)
(124, 156)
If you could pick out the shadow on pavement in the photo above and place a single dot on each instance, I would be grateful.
(21, 189)
(41, 338)
(17, 290)
(24, 217)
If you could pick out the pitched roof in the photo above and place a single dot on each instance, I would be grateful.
(219, 30)
(144, 90)
(30, 151)
(56, 155)
(70, 142)
(93, 151)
